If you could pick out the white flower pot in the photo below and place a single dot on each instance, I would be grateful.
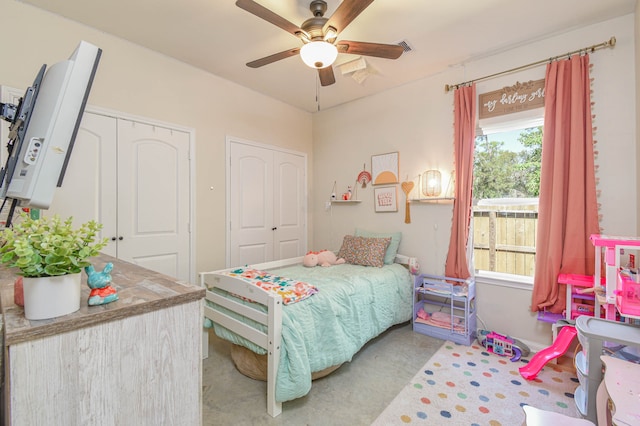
(50, 297)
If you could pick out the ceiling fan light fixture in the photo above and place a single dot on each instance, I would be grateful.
(331, 35)
(318, 54)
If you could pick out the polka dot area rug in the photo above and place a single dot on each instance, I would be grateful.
(466, 385)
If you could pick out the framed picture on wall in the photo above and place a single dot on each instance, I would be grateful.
(384, 168)
(386, 199)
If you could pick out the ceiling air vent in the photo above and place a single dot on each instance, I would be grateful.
(406, 47)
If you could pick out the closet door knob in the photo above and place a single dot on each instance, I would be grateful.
(121, 238)
(274, 228)
(113, 238)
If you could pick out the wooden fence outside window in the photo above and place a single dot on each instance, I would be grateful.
(504, 238)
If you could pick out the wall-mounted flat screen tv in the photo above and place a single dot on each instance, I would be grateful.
(44, 126)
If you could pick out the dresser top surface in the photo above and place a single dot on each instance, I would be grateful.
(140, 291)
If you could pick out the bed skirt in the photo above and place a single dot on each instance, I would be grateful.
(254, 366)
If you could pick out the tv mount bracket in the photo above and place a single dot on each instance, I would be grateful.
(18, 116)
(8, 112)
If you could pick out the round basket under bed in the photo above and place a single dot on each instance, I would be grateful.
(254, 366)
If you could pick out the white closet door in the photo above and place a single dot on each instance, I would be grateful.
(290, 205)
(153, 197)
(267, 204)
(251, 204)
(88, 191)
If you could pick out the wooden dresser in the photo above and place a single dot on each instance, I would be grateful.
(135, 361)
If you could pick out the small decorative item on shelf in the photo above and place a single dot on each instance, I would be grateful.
(407, 187)
(99, 282)
(347, 195)
(364, 177)
(333, 192)
(432, 183)
(50, 255)
(432, 188)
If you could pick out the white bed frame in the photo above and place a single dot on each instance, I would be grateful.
(272, 318)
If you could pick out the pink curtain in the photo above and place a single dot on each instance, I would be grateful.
(464, 146)
(568, 210)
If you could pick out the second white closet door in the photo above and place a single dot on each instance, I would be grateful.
(153, 197)
(267, 212)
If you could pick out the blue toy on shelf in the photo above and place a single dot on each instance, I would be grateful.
(100, 283)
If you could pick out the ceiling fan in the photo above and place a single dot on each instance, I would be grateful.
(319, 36)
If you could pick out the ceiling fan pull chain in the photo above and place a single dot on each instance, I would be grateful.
(318, 91)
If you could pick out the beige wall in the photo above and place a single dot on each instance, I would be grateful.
(416, 120)
(140, 82)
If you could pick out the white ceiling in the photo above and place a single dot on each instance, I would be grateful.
(219, 37)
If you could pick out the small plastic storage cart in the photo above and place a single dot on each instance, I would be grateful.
(594, 335)
(452, 300)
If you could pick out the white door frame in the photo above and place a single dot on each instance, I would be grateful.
(229, 141)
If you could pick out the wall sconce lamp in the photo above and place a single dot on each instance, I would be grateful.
(431, 183)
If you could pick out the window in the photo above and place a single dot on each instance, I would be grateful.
(505, 212)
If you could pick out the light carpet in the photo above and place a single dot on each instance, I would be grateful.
(466, 385)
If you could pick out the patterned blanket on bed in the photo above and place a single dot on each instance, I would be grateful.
(353, 305)
(289, 289)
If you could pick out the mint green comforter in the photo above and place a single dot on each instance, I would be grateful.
(354, 304)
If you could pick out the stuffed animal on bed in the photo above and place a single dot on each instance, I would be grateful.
(322, 258)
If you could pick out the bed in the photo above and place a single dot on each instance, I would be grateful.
(352, 304)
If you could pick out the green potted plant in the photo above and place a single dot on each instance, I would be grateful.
(50, 254)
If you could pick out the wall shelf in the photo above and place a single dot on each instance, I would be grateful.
(345, 201)
(432, 200)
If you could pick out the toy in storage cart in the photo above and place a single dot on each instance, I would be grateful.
(628, 293)
(445, 308)
(622, 281)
